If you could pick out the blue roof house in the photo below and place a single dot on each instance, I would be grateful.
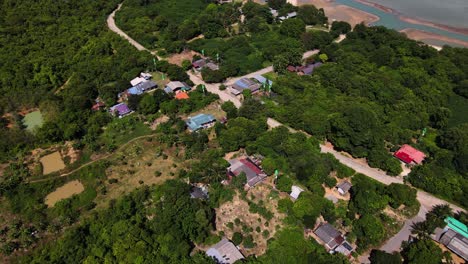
(200, 121)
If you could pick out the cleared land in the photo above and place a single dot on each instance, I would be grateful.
(33, 120)
(235, 216)
(52, 163)
(64, 192)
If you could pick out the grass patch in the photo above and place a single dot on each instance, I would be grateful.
(122, 130)
(33, 120)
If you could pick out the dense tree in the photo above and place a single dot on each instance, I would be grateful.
(382, 257)
(292, 27)
(422, 251)
(311, 15)
(369, 230)
(340, 27)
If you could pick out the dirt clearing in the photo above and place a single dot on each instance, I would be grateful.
(235, 216)
(64, 192)
(52, 163)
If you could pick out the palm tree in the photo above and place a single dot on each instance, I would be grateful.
(420, 229)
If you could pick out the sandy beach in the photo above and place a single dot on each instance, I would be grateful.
(415, 20)
(340, 12)
(355, 16)
(425, 36)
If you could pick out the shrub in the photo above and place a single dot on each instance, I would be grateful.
(237, 238)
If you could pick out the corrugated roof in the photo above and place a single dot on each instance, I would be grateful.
(409, 154)
(225, 252)
(457, 226)
(345, 186)
(196, 122)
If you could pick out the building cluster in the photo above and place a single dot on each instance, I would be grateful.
(332, 239)
(202, 63)
(454, 236)
(139, 85)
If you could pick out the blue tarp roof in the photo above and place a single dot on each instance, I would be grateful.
(243, 83)
(263, 80)
(196, 122)
(135, 90)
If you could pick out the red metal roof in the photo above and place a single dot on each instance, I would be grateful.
(409, 154)
(251, 166)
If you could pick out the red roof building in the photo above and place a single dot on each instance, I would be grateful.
(408, 154)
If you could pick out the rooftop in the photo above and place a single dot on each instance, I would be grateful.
(295, 192)
(197, 122)
(225, 252)
(329, 235)
(345, 186)
(253, 173)
(409, 154)
(121, 109)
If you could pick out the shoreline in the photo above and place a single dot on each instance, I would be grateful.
(421, 35)
(414, 20)
(339, 12)
(353, 16)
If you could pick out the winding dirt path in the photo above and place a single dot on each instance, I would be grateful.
(112, 26)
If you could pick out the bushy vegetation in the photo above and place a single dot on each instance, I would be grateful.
(364, 101)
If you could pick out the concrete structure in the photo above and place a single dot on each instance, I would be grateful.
(225, 252)
(295, 192)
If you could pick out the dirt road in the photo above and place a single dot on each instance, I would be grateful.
(112, 26)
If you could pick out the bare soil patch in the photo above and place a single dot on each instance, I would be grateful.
(52, 163)
(236, 214)
(64, 192)
(179, 58)
(144, 162)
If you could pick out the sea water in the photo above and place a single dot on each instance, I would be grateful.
(392, 20)
(446, 12)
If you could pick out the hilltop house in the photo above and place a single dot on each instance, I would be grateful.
(199, 192)
(120, 110)
(225, 252)
(288, 16)
(251, 170)
(142, 78)
(295, 192)
(198, 65)
(176, 86)
(244, 84)
(200, 121)
(304, 70)
(410, 155)
(344, 187)
(332, 239)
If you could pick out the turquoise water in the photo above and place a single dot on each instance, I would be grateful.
(392, 21)
(447, 12)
